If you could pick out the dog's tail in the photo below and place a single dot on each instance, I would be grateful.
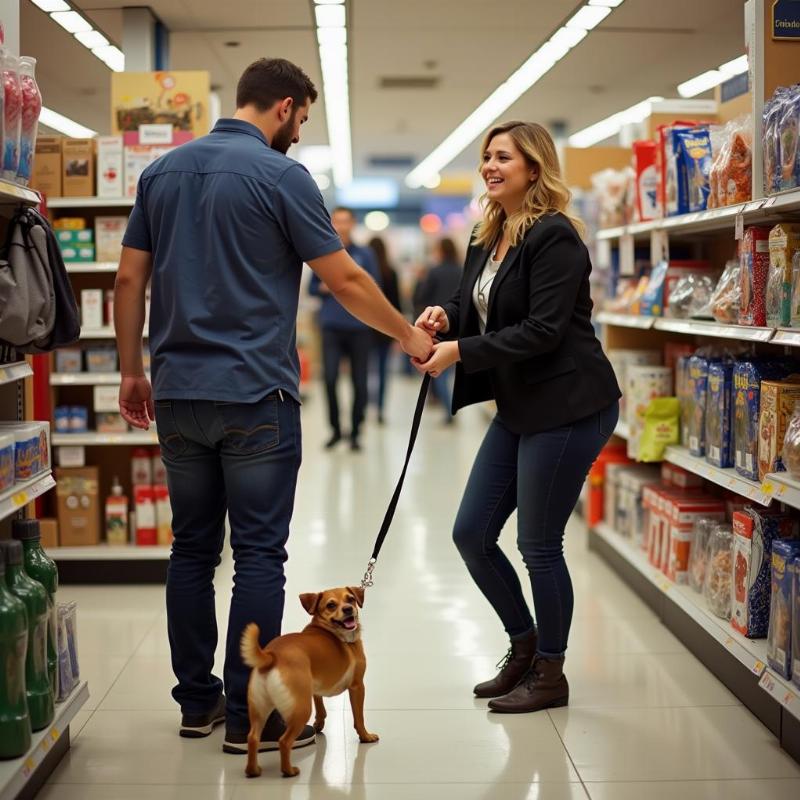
(252, 654)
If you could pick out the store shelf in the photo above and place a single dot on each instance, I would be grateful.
(85, 379)
(622, 430)
(90, 202)
(12, 193)
(785, 692)
(104, 439)
(106, 332)
(16, 774)
(782, 488)
(19, 495)
(9, 373)
(790, 337)
(714, 329)
(625, 320)
(104, 552)
(727, 478)
(101, 564)
(91, 267)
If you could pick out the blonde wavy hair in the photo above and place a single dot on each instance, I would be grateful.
(548, 193)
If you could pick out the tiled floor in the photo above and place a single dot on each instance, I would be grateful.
(646, 719)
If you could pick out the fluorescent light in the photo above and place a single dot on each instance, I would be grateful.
(568, 36)
(331, 36)
(71, 21)
(432, 181)
(112, 56)
(713, 77)
(607, 3)
(65, 125)
(589, 17)
(330, 16)
(322, 181)
(52, 5)
(735, 67)
(333, 59)
(92, 39)
(376, 220)
(329, 2)
(612, 125)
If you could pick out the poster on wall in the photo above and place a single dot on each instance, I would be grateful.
(145, 105)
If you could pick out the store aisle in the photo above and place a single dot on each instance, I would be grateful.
(646, 719)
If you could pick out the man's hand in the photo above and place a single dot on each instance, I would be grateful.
(445, 354)
(136, 401)
(434, 320)
(417, 343)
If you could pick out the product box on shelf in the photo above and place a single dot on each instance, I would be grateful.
(137, 159)
(146, 525)
(643, 385)
(78, 253)
(689, 163)
(109, 166)
(784, 242)
(163, 515)
(698, 387)
(754, 269)
(682, 478)
(78, 506)
(69, 224)
(630, 515)
(754, 531)
(106, 398)
(646, 186)
(621, 359)
(48, 529)
(777, 404)
(71, 456)
(92, 308)
(69, 359)
(47, 175)
(682, 515)
(718, 415)
(101, 359)
(795, 569)
(78, 167)
(108, 237)
(31, 448)
(69, 236)
(7, 450)
(779, 638)
(110, 422)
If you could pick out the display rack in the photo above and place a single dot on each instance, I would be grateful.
(91, 202)
(17, 371)
(91, 439)
(91, 267)
(105, 564)
(18, 496)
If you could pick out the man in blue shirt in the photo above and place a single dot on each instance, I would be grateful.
(223, 225)
(345, 335)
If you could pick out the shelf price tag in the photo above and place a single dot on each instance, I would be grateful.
(767, 682)
(27, 769)
(739, 227)
(3, 374)
(759, 667)
(20, 499)
(627, 258)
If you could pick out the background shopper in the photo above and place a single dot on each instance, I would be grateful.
(520, 332)
(345, 336)
(225, 368)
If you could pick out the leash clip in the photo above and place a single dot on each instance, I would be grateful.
(367, 581)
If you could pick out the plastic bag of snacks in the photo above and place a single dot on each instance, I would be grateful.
(66, 678)
(754, 263)
(698, 552)
(692, 149)
(784, 244)
(614, 189)
(661, 428)
(773, 109)
(691, 297)
(731, 175)
(719, 571)
(779, 638)
(791, 444)
(787, 132)
(726, 299)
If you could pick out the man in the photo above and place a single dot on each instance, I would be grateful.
(345, 335)
(223, 225)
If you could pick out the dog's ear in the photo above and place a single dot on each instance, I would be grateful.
(310, 601)
(359, 594)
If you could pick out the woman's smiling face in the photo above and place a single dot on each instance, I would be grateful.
(506, 172)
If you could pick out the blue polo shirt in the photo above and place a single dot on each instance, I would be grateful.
(229, 223)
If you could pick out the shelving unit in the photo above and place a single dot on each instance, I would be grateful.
(91, 202)
(91, 267)
(104, 564)
(10, 373)
(14, 193)
(91, 439)
(85, 378)
(19, 495)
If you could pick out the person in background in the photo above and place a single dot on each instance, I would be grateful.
(383, 344)
(435, 289)
(344, 336)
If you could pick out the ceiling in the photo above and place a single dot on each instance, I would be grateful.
(469, 47)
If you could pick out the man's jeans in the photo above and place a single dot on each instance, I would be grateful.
(241, 459)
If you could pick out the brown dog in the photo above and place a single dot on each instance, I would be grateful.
(322, 661)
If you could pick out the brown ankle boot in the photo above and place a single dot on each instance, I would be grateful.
(516, 663)
(545, 686)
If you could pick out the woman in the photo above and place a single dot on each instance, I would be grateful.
(383, 344)
(519, 331)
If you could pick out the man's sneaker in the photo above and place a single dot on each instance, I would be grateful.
(196, 726)
(273, 730)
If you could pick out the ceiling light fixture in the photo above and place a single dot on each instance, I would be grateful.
(111, 56)
(537, 65)
(330, 16)
(713, 77)
(606, 3)
(51, 5)
(92, 39)
(65, 125)
(71, 21)
(611, 126)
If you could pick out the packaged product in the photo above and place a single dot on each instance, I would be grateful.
(12, 107)
(109, 422)
(754, 532)
(787, 132)
(747, 378)
(146, 527)
(719, 415)
(674, 350)
(726, 300)
(28, 457)
(773, 109)
(791, 444)
(108, 235)
(698, 553)
(615, 190)
(779, 638)
(644, 383)
(652, 301)
(698, 386)
(667, 167)
(731, 174)
(684, 393)
(778, 399)
(78, 419)
(719, 571)
(646, 184)
(613, 476)
(69, 359)
(692, 153)
(66, 679)
(754, 263)
(683, 513)
(784, 244)
(31, 108)
(691, 297)
(661, 428)
(101, 359)
(638, 293)
(795, 569)
(7, 448)
(795, 312)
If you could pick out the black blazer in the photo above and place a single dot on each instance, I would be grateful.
(539, 358)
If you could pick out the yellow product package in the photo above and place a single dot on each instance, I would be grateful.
(661, 428)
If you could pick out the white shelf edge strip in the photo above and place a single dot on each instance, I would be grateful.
(94, 267)
(103, 439)
(110, 553)
(90, 202)
(18, 496)
(15, 372)
(786, 693)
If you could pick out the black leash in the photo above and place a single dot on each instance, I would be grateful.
(366, 581)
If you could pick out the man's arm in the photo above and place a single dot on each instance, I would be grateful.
(355, 289)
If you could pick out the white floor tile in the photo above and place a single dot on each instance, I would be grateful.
(418, 791)
(697, 790)
(87, 791)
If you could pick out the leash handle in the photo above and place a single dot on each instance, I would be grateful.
(389, 516)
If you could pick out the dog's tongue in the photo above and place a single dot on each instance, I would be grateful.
(350, 624)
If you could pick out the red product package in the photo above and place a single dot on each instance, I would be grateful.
(674, 350)
(146, 529)
(753, 272)
(646, 184)
(683, 514)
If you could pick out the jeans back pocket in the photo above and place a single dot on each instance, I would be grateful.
(250, 427)
(170, 438)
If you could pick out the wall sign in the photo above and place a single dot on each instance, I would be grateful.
(786, 19)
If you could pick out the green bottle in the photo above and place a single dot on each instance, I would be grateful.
(15, 724)
(41, 704)
(42, 568)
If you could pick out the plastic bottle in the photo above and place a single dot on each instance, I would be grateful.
(15, 724)
(31, 108)
(12, 115)
(42, 568)
(117, 515)
(146, 528)
(141, 467)
(41, 703)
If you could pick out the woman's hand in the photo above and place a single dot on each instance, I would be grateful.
(445, 354)
(433, 320)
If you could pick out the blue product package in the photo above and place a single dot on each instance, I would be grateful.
(7, 448)
(787, 126)
(795, 567)
(78, 419)
(698, 390)
(62, 416)
(779, 639)
(718, 414)
(747, 377)
(652, 302)
(693, 154)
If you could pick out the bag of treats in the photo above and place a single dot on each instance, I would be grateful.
(795, 569)
(725, 302)
(693, 151)
(791, 444)
(784, 244)
(754, 264)
(779, 638)
(737, 179)
(718, 415)
(787, 130)
(698, 553)
(661, 428)
(719, 571)
(691, 297)
(773, 110)
(698, 385)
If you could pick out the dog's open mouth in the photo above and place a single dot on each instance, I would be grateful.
(348, 623)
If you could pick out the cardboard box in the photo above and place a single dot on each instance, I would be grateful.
(777, 405)
(108, 237)
(109, 166)
(106, 398)
(49, 531)
(71, 456)
(46, 176)
(69, 224)
(137, 159)
(75, 237)
(78, 167)
(78, 253)
(78, 506)
(92, 308)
